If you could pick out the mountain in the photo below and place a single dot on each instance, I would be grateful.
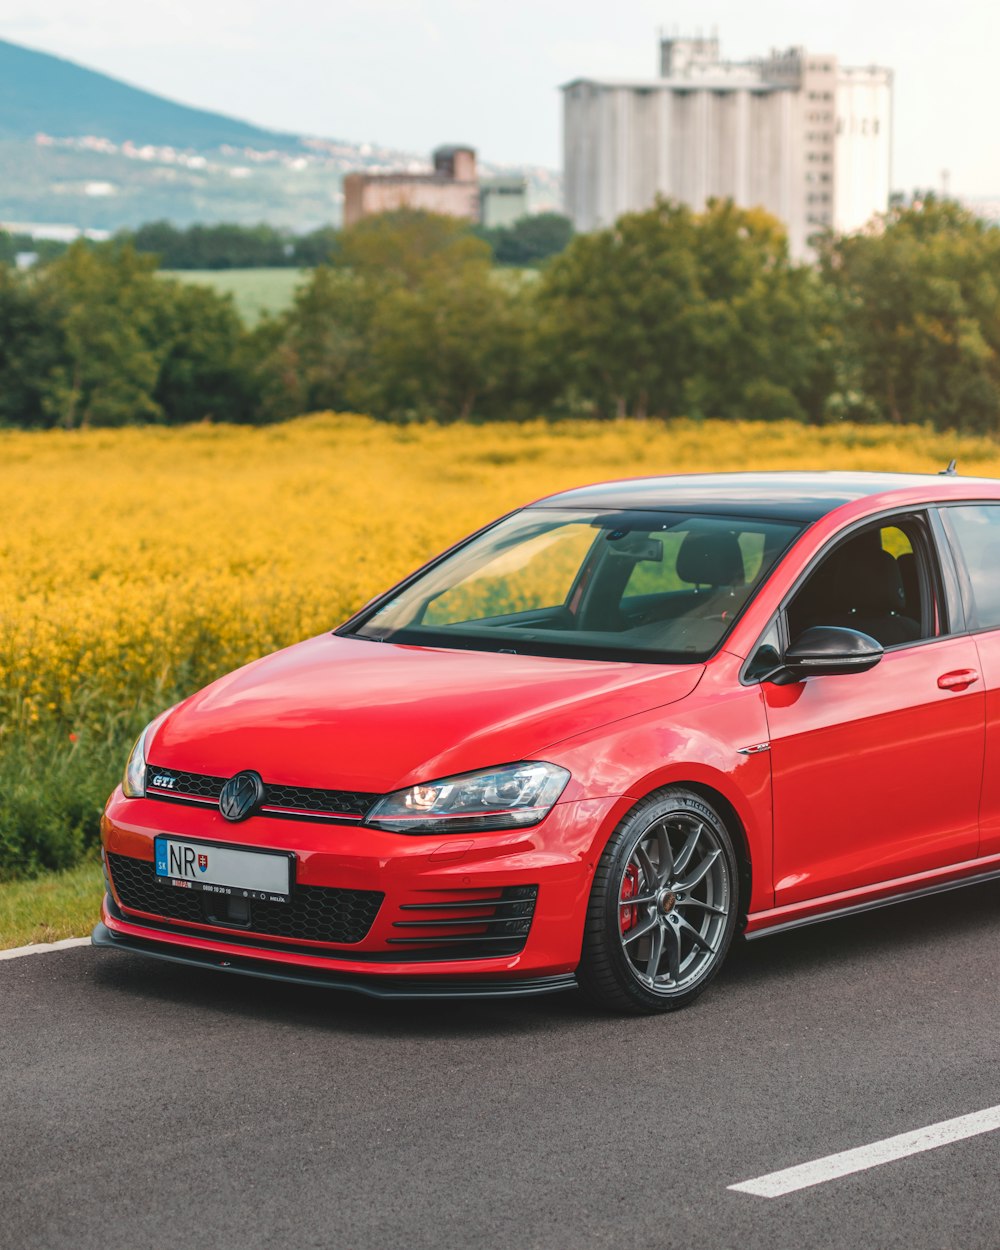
(83, 150)
(43, 94)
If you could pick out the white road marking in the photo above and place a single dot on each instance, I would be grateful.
(42, 948)
(861, 1158)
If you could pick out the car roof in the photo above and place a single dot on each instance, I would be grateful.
(786, 496)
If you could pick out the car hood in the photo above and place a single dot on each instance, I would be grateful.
(349, 714)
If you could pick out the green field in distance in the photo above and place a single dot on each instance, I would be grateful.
(257, 292)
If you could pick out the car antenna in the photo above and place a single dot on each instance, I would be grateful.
(951, 470)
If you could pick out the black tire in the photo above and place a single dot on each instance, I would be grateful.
(680, 927)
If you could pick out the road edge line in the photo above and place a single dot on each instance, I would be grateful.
(43, 948)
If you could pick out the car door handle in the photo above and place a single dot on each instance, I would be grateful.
(959, 680)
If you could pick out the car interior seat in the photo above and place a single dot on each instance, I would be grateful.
(869, 595)
(711, 560)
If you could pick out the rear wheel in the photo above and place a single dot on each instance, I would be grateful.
(663, 907)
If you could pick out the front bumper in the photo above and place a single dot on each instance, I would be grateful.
(556, 860)
(294, 974)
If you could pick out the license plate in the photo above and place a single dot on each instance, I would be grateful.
(224, 870)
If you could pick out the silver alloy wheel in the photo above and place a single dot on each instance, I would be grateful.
(675, 895)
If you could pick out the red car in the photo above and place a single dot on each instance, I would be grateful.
(588, 746)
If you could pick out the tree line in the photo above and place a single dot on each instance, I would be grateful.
(667, 313)
(227, 245)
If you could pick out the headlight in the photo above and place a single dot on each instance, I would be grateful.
(510, 797)
(134, 780)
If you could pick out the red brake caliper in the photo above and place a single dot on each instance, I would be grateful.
(630, 888)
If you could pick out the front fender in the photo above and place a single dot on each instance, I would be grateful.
(698, 740)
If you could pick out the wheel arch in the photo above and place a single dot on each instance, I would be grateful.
(736, 811)
(737, 831)
(742, 796)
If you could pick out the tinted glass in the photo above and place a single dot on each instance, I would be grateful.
(976, 530)
(603, 585)
(870, 583)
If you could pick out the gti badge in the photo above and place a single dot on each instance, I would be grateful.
(241, 796)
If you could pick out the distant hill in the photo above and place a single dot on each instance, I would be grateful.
(83, 150)
(44, 94)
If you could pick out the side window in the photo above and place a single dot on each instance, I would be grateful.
(873, 583)
(975, 529)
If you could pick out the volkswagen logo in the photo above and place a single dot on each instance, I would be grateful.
(241, 796)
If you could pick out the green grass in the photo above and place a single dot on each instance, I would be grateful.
(256, 292)
(57, 905)
(268, 292)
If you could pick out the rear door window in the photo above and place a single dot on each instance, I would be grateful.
(975, 533)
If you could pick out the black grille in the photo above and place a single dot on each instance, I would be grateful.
(313, 914)
(277, 801)
(189, 785)
(332, 802)
(472, 923)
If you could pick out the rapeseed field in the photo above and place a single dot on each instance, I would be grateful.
(138, 564)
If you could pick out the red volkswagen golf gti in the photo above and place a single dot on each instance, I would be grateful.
(588, 746)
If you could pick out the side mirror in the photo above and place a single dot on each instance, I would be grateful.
(829, 649)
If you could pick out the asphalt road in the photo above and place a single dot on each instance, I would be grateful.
(143, 1105)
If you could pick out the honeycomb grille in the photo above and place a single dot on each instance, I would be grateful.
(313, 913)
(329, 802)
(170, 783)
(188, 785)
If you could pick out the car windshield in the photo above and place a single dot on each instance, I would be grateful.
(622, 585)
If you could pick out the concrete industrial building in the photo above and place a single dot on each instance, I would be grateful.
(453, 188)
(798, 134)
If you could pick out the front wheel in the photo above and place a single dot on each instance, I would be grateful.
(663, 906)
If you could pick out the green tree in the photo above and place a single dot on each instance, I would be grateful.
(222, 246)
(31, 346)
(205, 372)
(670, 312)
(319, 247)
(313, 357)
(410, 323)
(43, 249)
(405, 247)
(106, 341)
(111, 316)
(161, 239)
(528, 241)
(919, 300)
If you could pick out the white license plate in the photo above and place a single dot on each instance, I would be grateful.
(223, 870)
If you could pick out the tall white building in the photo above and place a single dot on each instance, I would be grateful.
(794, 132)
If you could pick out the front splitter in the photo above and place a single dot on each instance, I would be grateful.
(373, 987)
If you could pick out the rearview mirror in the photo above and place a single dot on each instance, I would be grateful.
(637, 547)
(830, 649)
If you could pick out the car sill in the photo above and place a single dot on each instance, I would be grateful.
(856, 909)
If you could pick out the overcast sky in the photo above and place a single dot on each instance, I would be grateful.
(412, 75)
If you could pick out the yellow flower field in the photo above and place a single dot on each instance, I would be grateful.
(137, 564)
